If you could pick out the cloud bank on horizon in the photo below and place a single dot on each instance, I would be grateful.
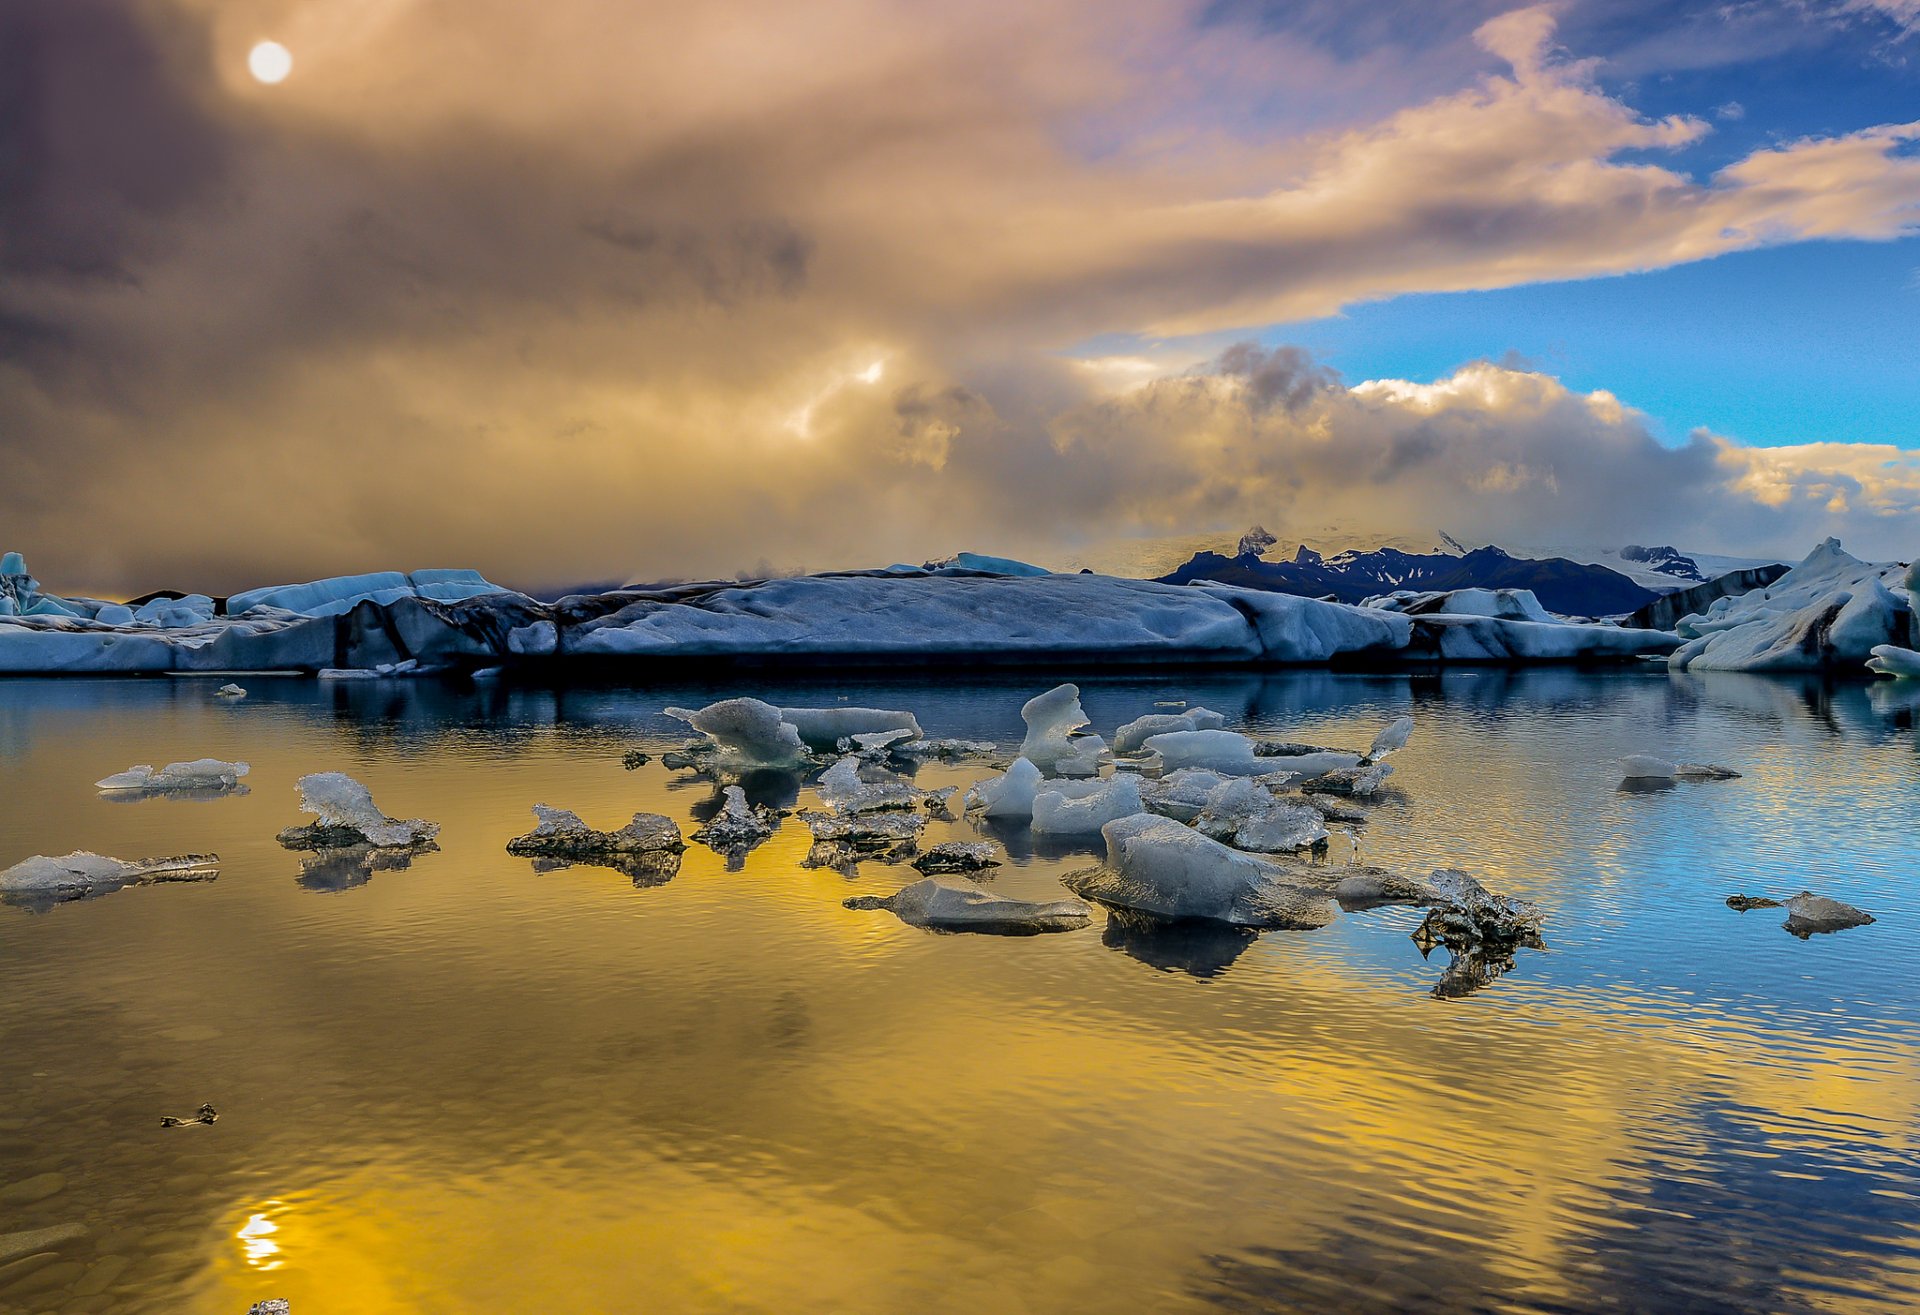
(587, 288)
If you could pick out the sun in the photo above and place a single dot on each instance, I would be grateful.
(270, 62)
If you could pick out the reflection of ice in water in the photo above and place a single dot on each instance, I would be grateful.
(257, 1242)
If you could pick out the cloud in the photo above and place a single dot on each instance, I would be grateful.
(566, 289)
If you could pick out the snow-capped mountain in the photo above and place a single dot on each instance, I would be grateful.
(1568, 587)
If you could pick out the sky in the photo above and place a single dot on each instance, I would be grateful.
(596, 289)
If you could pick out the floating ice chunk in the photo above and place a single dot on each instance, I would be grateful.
(1480, 930)
(561, 834)
(1392, 739)
(956, 856)
(825, 727)
(200, 774)
(348, 817)
(1008, 795)
(1226, 752)
(1652, 769)
(1500, 604)
(842, 790)
(1182, 794)
(1311, 766)
(950, 904)
(84, 874)
(747, 731)
(1057, 813)
(1354, 782)
(1155, 865)
(1132, 737)
(1050, 744)
(738, 826)
(947, 749)
(1243, 813)
(877, 745)
(1809, 914)
(1892, 660)
(230, 691)
(864, 832)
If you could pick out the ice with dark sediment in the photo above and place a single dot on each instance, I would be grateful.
(347, 816)
(206, 777)
(955, 905)
(738, 826)
(561, 833)
(1809, 914)
(1246, 815)
(950, 856)
(1351, 782)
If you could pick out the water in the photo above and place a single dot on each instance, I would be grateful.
(469, 1086)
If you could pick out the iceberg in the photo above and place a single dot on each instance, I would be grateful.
(1892, 660)
(561, 834)
(40, 881)
(823, 728)
(348, 817)
(1499, 604)
(1008, 795)
(893, 835)
(1246, 815)
(202, 774)
(973, 561)
(342, 593)
(1830, 612)
(949, 904)
(1156, 866)
(1057, 812)
(747, 731)
(1050, 745)
(1132, 738)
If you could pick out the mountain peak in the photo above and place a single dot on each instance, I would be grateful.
(1255, 542)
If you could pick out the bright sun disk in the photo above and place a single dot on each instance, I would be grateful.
(270, 62)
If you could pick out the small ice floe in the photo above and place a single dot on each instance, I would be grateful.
(738, 826)
(842, 788)
(1481, 932)
(1008, 795)
(747, 732)
(1181, 794)
(953, 905)
(1744, 903)
(1157, 866)
(410, 667)
(1892, 660)
(230, 691)
(895, 834)
(874, 746)
(1643, 771)
(1809, 914)
(41, 881)
(1349, 782)
(1333, 810)
(1132, 738)
(1230, 753)
(1051, 744)
(204, 778)
(823, 728)
(348, 818)
(1062, 811)
(1391, 740)
(206, 1116)
(947, 750)
(956, 856)
(1246, 815)
(561, 834)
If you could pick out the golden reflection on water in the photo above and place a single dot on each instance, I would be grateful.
(472, 1087)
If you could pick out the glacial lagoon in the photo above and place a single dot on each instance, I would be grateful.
(473, 1085)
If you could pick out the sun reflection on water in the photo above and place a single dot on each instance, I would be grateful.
(257, 1239)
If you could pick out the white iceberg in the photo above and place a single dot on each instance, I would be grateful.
(1892, 660)
(1132, 737)
(1829, 612)
(747, 731)
(1050, 744)
(200, 774)
(1157, 866)
(1056, 812)
(826, 727)
(1008, 795)
(348, 817)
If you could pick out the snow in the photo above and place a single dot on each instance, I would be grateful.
(199, 774)
(1157, 866)
(1051, 718)
(343, 593)
(1892, 660)
(1712, 565)
(340, 801)
(1830, 611)
(826, 727)
(1132, 737)
(747, 731)
(1008, 795)
(953, 904)
(1057, 813)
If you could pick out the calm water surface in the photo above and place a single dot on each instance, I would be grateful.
(473, 1086)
